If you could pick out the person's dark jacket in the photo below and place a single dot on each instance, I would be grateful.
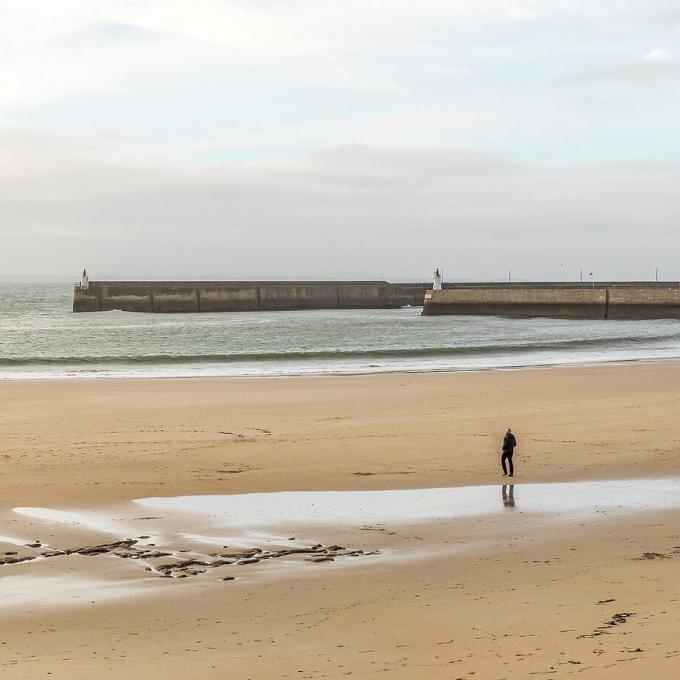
(509, 443)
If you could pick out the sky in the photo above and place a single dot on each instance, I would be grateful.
(340, 139)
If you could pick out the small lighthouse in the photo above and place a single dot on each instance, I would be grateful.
(437, 281)
(84, 280)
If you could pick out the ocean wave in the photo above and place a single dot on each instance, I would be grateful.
(618, 342)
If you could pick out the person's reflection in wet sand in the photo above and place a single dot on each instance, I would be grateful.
(508, 493)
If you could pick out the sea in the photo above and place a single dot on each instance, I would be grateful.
(40, 338)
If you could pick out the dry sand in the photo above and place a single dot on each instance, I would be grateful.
(534, 600)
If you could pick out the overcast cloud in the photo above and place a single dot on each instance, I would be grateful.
(340, 139)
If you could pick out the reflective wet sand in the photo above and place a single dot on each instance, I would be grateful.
(125, 550)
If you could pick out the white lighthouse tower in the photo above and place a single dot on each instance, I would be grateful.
(84, 280)
(437, 281)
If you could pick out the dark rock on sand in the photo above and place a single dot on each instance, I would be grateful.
(129, 549)
(103, 548)
(616, 620)
(619, 618)
(136, 554)
(653, 556)
(17, 560)
(221, 563)
(240, 554)
(182, 564)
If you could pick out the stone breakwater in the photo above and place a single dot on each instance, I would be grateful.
(614, 300)
(617, 300)
(244, 296)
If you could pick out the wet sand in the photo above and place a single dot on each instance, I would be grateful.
(503, 594)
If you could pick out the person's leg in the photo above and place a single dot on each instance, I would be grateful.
(512, 469)
(503, 457)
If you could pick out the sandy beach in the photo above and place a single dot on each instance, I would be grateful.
(506, 593)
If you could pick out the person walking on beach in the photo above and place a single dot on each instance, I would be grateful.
(509, 443)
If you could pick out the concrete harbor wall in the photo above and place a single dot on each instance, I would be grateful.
(616, 300)
(243, 296)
